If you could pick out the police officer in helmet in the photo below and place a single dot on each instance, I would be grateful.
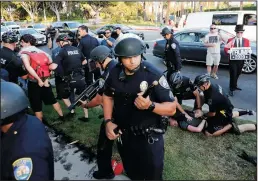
(184, 89)
(9, 60)
(101, 58)
(172, 52)
(26, 149)
(70, 61)
(134, 114)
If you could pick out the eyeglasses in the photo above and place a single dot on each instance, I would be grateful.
(213, 28)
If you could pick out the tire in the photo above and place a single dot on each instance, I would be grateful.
(250, 66)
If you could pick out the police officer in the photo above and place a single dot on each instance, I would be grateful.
(101, 57)
(141, 148)
(220, 115)
(86, 45)
(172, 52)
(184, 89)
(58, 71)
(70, 61)
(9, 60)
(26, 150)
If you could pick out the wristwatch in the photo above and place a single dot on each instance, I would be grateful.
(152, 107)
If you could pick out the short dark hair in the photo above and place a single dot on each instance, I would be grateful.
(83, 27)
(28, 38)
(118, 27)
(107, 30)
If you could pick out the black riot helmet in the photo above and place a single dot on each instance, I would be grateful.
(201, 79)
(13, 101)
(176, 79)
(10, 37)
(129, 47)
(100, 53)
(64, 37)
(166, 31)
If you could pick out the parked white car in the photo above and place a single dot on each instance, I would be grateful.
(41, 28)
(41, 39)
(10, 25)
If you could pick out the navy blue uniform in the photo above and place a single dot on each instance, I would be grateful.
(12, 63)
(69, 60)
(86, 45)
(104, 150)
(58, 72)
(26, 151)
(172, 56)
(185, 90)
(219, 103)
(141, 160)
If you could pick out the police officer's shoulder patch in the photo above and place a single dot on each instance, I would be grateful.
(22, 168)
(173, 45)
(163, 82)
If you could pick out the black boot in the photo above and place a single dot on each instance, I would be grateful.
(102, 175)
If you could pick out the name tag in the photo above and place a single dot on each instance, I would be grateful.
(240, 53)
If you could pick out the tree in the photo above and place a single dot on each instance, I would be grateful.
(55, 6)
(241, 5)
(9, 8)
(97, 6)
(31, 7)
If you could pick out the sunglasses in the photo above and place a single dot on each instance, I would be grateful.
(107, 32)
(240, 32)
(213, 28)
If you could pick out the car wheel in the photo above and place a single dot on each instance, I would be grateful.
(250, 65)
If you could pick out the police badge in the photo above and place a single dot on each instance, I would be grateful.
(209, 101)
(143, 86)
(22, 168)
(164, 83)
(173, 45)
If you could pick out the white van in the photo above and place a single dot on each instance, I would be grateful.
(226, 20)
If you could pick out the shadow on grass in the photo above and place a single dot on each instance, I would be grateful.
(188, 155)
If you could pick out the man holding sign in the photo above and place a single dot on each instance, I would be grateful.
(238, 49)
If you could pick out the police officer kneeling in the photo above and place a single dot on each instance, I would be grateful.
(141, 150)
(26, 150)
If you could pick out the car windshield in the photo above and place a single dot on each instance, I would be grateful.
(39, 26)
(30, 31)
(3, 29)
(58, 24)
(10, 23)
(73, 25)
(124, 27)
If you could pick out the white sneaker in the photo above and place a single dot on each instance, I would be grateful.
(214, 76)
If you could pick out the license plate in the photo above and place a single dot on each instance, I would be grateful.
(39, 42)
(240, 53)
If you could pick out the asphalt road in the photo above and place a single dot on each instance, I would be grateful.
(245, 99)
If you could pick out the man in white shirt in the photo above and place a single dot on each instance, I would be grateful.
(212, 42)
(119, 33)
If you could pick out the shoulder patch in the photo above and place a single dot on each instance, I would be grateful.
(22, 168)
(173, 45)
(163, 82)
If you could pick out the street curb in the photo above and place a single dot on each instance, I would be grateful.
(190, 103)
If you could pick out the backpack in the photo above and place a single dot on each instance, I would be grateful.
(40, 63)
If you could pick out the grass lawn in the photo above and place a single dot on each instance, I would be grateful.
(190, 156)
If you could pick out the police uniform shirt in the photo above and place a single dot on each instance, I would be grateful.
(172, 52)
(87, 44)
(124, 90)
(186, 90)
(109, 67)
(216, 98)
(55, 52)
(70, 58)
(26, 151)
(12, 63)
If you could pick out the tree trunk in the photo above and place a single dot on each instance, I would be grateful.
(241, 5)
(44, 11)
(167, 13)
(144, 11)
(31, 17)
(57, 15)
(182, 9)
(194, 6)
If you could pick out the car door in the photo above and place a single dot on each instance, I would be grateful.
(189, 45)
